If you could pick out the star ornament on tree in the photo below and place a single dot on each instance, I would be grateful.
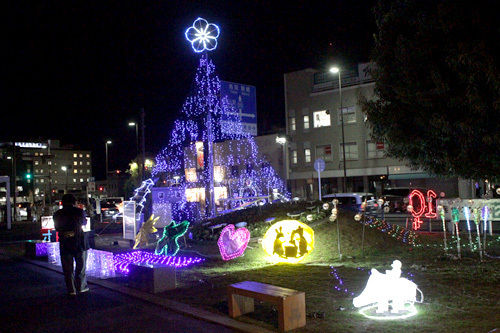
(202, 35)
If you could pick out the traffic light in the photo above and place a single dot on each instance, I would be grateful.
(28, 176)
(101, 188)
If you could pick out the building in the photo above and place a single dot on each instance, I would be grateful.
(47, 169)
(319, 124)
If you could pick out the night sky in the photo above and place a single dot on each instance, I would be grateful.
(79, 71)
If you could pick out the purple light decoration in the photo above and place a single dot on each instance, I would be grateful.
(123, 260)
(232, 243)
(232, 148)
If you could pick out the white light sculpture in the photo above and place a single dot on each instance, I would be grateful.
(202, 35)
(387, 289)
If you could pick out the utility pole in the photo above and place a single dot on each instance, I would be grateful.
(143, 145)
(14, 178)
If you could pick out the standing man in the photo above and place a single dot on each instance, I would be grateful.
(73, 244)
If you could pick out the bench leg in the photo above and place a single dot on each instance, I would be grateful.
(292, 312)
(239, 305)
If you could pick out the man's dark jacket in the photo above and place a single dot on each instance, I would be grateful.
(68, 222)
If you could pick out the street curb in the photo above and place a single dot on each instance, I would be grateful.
(166, 303)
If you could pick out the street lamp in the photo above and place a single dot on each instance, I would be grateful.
(282, 140)
(107, 171)
(131, 124)
(337, 70)
(65, 168)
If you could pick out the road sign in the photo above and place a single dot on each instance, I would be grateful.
(91, 186)
(243, 101)
(319, 165)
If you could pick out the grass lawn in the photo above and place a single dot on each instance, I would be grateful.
(459, 295)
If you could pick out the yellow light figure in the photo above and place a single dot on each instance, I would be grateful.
(288, 241)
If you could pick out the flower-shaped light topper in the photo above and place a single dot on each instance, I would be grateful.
(202, 35)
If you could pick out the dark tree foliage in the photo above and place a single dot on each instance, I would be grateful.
(438, 85)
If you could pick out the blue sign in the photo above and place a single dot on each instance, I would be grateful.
(243, 101)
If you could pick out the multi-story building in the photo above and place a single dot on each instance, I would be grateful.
(322, 117)
(45, 169)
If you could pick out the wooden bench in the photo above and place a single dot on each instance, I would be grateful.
(291, 303)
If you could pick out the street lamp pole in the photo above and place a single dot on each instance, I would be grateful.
(66, 168)
(337, 70)
(282, 140)
(107, 170)
(136, 135)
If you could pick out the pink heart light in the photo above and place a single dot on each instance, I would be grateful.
(232, 243)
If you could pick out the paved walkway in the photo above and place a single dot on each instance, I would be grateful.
(33, 299)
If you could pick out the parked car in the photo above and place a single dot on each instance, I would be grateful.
(349, 201)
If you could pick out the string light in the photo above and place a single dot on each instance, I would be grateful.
(123, 260)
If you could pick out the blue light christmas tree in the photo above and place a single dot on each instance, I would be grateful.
(209, 158)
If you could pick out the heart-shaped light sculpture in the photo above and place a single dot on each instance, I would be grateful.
(233, 243)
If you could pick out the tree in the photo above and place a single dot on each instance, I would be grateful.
(437, 85)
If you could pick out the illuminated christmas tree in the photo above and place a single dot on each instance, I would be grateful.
(209, 159)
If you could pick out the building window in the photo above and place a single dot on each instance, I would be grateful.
(88, 170)
(324, 152)
(293, 126)
(294, 157)
(375, 149)
(307, 155)
(81, 155)
(75, 155)
(321, 119)
(75, 171)
(75, 163)
(306, 122)
(351, 151)
(36, 162)
(88, 155)
(349, 113)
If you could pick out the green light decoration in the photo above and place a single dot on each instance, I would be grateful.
(168, 244)
(455, 216)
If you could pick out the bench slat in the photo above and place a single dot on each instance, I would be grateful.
(262, 288)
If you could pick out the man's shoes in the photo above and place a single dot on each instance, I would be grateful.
(84, 290)
(72, 294)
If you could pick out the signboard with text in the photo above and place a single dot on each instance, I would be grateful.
(243, 101)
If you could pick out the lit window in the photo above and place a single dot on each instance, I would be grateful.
(74, 180)
(41, 171)
(88, 155)
(307, 155)
(88, 170)
(42, 180)
(75, 155)
(292, 124)
(75, 163)
(324, 152)
(81, 162)
(294, 157)
(81, 155)
(81, 180)
(375, 149)
(306, 122)
(349, 113)
(321, 119)
(75, 171)
(351, 151)
(36, 162)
